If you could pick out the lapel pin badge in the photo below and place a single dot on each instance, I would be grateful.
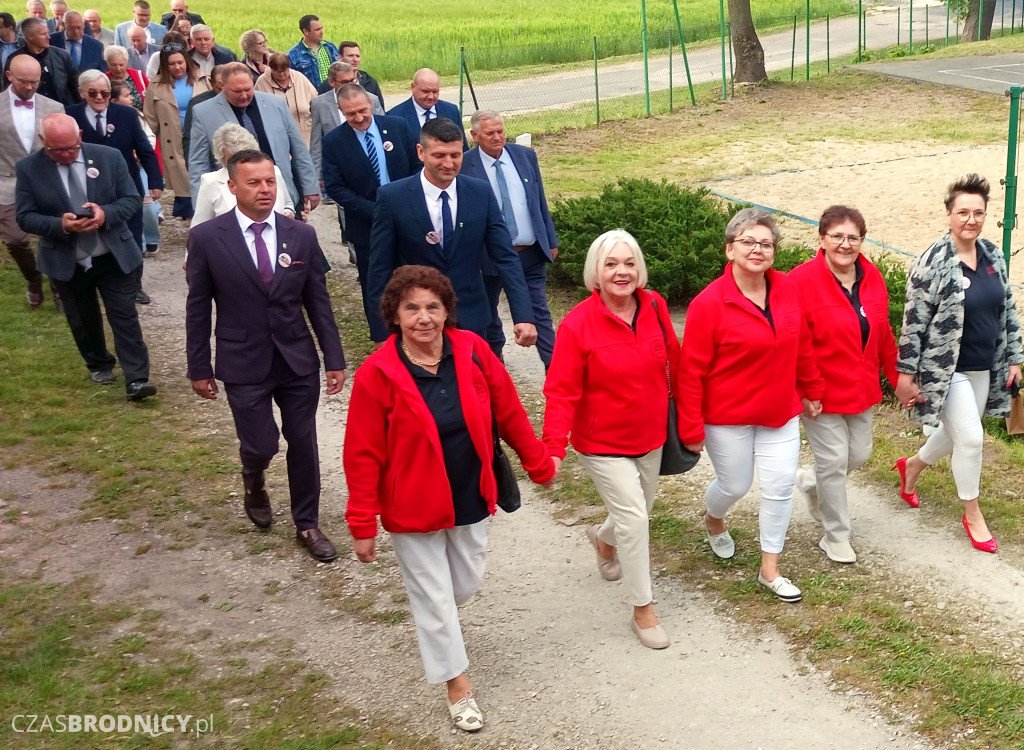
(388, 145)
(92, 172)
(284, 260)
(110, 128)
(433, 238)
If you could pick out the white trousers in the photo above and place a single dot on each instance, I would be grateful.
(442, 570)
(841, 443)
(628, 487)
(734, 451)
(960, 433)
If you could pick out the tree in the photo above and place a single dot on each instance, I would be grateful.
(749, 53)
(970, 30)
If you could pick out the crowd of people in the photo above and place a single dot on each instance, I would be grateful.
(97, 123)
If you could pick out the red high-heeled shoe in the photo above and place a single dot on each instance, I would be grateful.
(909, 497)
(990, 546)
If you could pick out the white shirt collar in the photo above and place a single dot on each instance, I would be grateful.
(420, 110)
(432, 191)
(245, 222)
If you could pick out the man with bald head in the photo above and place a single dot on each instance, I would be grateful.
(59, 79)
(425, 104)
(98, 31)
(78, 198)
(140, 51)
(180, 8)
(21, 119)
(86, 52)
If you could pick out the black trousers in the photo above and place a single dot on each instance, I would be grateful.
(82, 308)
(297, 396)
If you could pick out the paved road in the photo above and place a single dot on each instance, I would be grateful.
(993, 74)
(565, 89)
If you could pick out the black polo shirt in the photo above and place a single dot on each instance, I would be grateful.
(461, 462)
(253, 111)
(853, 297)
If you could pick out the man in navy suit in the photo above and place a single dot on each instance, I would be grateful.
(86, 52)
(424, 104)
(119, 127)
(262, 270)
(78, 198)
(351, 178)
(514, 176)
(434, 219)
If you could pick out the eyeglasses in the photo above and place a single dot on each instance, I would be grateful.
(25, 82)
(104, 94)
(839, 239)
(965, 215)
(173, 48)
(64, 150)
(749, 243)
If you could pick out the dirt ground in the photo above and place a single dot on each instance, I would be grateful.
(553, 661)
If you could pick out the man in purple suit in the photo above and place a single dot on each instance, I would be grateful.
(262, 269)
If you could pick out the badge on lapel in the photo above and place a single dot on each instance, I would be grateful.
(388, 145)
(92, 172)
(433, 238)
(110, 128)
(284, 260)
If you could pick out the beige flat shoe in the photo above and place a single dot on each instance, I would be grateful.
(655, 637)
(610, 570)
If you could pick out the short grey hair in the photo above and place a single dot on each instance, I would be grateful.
(484, 114)
(751, 217)
(602, 247)
(200, 27)
(353, 91)
(338, 67)
(114, 49)
(232, 138)
(89, 76)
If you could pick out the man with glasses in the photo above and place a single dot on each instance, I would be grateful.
(119, 127)
(179, 8)
(312, 56)
(59, 77)
(21, 117)
(78, 199)
(86, 53)
(154, 31)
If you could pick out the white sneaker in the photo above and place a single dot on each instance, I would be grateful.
(466, 715)
(805, 483)
(840, 552)
(781, 587)
(721, 544)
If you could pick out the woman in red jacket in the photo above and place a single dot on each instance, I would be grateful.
(846, 306)
(607, 386)
(418, 453)
(746, 365)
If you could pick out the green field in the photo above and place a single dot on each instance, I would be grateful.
(398, 37)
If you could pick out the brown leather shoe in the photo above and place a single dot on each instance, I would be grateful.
(257, 507)
(319, 546)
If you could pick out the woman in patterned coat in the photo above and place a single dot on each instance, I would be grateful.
(960, 350)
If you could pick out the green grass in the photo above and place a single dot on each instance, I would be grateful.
(396, 42)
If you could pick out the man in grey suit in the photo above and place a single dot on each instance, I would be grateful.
(78, 199)
(59, 79)
(268, 119)
(99, 32)
(140, 51)
(21, 118)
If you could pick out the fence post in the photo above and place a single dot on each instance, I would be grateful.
(926, 29)
(682, 44)
(860, 28)
(865, 30)
(1013, 16)
(911, 30)
(597, 93)
(670, 70)
(898, 24)
(828, 44)
(792, 56)
(721, 33)
(462, 67)
(732, 67)
(643, 44)
(807, 45)
(1010, 207)
(981, 16)
(947, 25)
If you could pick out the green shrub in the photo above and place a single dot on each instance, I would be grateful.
(680, 230)
(894, 271)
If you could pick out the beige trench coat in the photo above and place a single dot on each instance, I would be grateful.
(160, 109)
(299, 97)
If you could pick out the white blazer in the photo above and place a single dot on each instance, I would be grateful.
(215, 199)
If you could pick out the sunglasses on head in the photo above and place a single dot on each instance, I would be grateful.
(173, 48)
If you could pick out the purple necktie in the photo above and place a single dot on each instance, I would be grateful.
(262, 256)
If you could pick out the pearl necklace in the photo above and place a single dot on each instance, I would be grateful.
(419, 362)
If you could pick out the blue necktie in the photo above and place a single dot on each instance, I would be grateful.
(428, 115)
(447, 228)
(76, 53)
(371, 153)
(506, 201)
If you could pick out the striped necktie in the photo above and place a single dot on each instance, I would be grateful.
(371, 154)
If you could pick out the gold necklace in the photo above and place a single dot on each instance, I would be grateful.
(419, 362)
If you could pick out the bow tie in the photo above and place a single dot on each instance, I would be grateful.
(23, 103)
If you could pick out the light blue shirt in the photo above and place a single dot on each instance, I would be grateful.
(378, 146)
(183, 95)
(516, 192)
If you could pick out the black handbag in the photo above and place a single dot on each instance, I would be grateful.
(675, 458)
(509, 497)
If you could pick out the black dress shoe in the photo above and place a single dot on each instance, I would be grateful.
(257, 507)
(103, 377)
(140, 389)
(142, 298)
(319, 546)
(152, 249)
